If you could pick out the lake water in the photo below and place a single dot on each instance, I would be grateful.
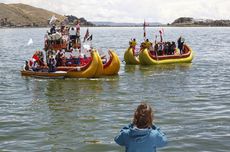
(191, 101)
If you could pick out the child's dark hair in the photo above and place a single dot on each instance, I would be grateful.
(143, 116)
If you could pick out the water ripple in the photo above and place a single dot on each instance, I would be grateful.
(191, 101)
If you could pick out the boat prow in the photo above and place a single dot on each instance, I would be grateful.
(112, 66)
(130, 57)
(87, 71)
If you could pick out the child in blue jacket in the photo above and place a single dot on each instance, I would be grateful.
(141, 135)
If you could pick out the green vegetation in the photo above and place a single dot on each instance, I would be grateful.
(189, 21)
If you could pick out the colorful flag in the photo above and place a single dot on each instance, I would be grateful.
(52, 20)
(35, 58)
(144, 26)
(90, 38)
(86, 35)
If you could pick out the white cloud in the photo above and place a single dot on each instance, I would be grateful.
(135, 11)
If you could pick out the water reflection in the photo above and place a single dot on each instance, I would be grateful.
(78, 110)
(131, 68)
(76, 92)
(162, 68)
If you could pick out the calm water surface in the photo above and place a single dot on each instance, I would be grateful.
(191, 101)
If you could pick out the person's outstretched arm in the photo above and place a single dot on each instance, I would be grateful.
(121, 138)
(161, 139)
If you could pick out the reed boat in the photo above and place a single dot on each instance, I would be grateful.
(147, 58)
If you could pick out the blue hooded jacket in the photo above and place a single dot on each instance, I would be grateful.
(141, 140)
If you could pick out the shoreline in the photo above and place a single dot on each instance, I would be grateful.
(14, 27)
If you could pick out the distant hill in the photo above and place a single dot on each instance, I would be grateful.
(189, 21)
(22, 15)
(71, 19)
(110, 24)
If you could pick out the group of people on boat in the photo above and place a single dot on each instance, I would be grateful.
(53, 59)
(159, 48)
(164, 48)
(64, 37)
(62, 48)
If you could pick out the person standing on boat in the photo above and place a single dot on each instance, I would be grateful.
(72, 34)
(141, 135)
(53, 29)
(161, 43)
(72, 37)
(78, 31)
(180, 43)
(51, 64)
(172, 48)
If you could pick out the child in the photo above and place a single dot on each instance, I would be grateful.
(141, 135)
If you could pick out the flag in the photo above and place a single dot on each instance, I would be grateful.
(162, 31)
(30, 42)
(90, 38)
(35, 58)
(52, 20)
(161, 34)
(144, 28)
(155, 39)
(144, 34)
(86, 35)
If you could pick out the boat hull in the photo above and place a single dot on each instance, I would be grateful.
(87, 71)
(147, 59)
(58, 74)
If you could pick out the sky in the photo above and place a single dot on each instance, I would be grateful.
(135, 11)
